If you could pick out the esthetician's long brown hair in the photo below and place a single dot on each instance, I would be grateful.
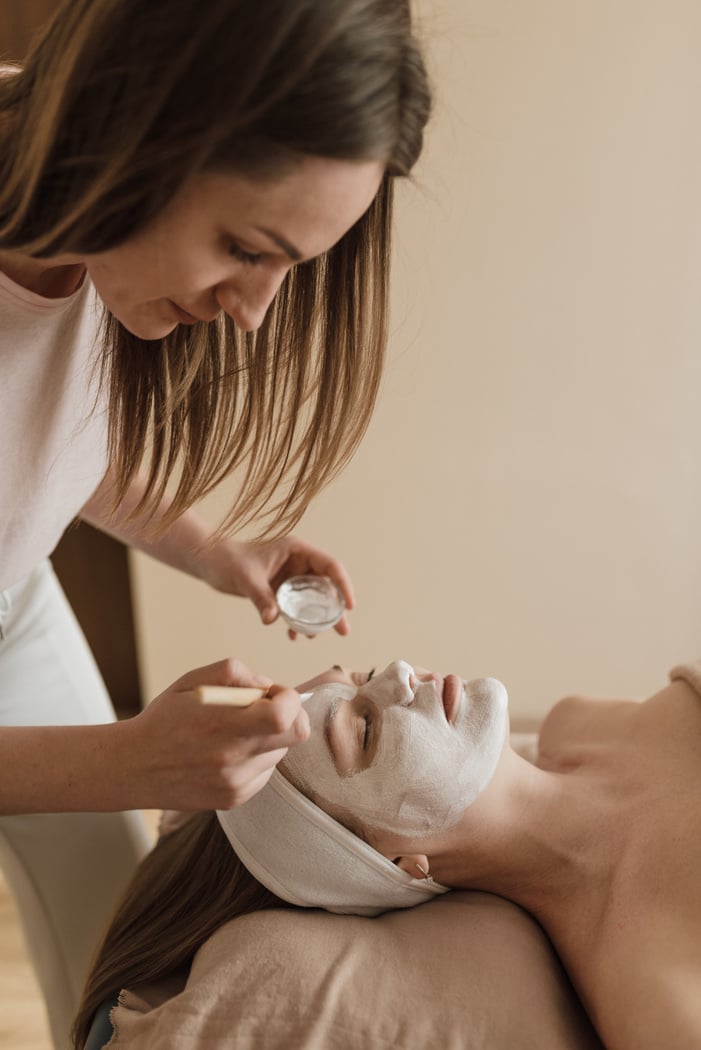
(190, 884)
(118, 104)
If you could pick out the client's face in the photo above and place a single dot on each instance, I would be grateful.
(405, 752)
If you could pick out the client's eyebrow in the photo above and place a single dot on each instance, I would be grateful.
(338, 746)
(328, 721)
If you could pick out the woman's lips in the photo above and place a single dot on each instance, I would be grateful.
(452, 697)
(183, 316)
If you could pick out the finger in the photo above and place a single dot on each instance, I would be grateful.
(262, 596)
(301, 726)
(224, 672)
(269, 613)
(336, 571)
(247, 780)
(261, 768)
(322, 564)
(255, 785)
(277, 722)
(263, 763)
(343, 626)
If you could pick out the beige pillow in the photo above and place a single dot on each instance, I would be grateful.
(469, 971)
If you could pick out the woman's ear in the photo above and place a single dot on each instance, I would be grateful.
(414, 864)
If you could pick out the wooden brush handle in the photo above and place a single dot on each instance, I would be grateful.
(233, 695)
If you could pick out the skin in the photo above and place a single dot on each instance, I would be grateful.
(601, 842)
(395, 748)
(222, 243)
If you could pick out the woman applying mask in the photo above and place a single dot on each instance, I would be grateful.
(599, 840)
(195, 213)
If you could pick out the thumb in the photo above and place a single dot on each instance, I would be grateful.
(264, 600)
(269, 612)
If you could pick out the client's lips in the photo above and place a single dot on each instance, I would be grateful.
(452, 696)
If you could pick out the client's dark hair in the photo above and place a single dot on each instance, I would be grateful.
(190, 884)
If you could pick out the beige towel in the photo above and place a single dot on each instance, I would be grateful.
(468, 971)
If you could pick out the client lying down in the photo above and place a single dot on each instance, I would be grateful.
(408, 786)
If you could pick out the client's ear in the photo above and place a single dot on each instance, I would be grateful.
(414, 864)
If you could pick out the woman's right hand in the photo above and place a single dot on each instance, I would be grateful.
(182, 754)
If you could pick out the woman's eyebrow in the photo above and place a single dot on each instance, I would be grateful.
(289, 249)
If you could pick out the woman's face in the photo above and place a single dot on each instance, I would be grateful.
(226, 242)
(405, 752)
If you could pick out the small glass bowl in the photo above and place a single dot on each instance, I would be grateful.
(310, 604)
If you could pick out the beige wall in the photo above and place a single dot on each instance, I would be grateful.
(528, 501)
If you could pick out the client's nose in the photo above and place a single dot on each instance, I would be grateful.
(401, 682)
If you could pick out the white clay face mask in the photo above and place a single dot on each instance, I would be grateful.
(425, 771)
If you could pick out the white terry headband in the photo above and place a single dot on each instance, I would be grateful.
(307, 858)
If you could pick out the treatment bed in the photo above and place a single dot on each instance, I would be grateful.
(468, 971)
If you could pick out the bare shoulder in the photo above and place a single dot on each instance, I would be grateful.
(663, 1010)
(647, 996)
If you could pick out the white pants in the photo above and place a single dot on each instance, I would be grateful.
(65, 870)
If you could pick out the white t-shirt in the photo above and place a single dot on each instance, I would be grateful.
(53, 429)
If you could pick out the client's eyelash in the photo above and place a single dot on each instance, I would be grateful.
(371, 673)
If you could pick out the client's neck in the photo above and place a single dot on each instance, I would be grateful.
(530, 837)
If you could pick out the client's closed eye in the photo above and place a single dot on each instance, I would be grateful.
(363, 734)
(366, 734)
(352, 729)
(366, 729)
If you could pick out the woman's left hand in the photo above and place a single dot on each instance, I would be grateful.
(256, 570)
(251, 570)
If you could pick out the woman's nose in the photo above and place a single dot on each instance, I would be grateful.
(247, 302)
